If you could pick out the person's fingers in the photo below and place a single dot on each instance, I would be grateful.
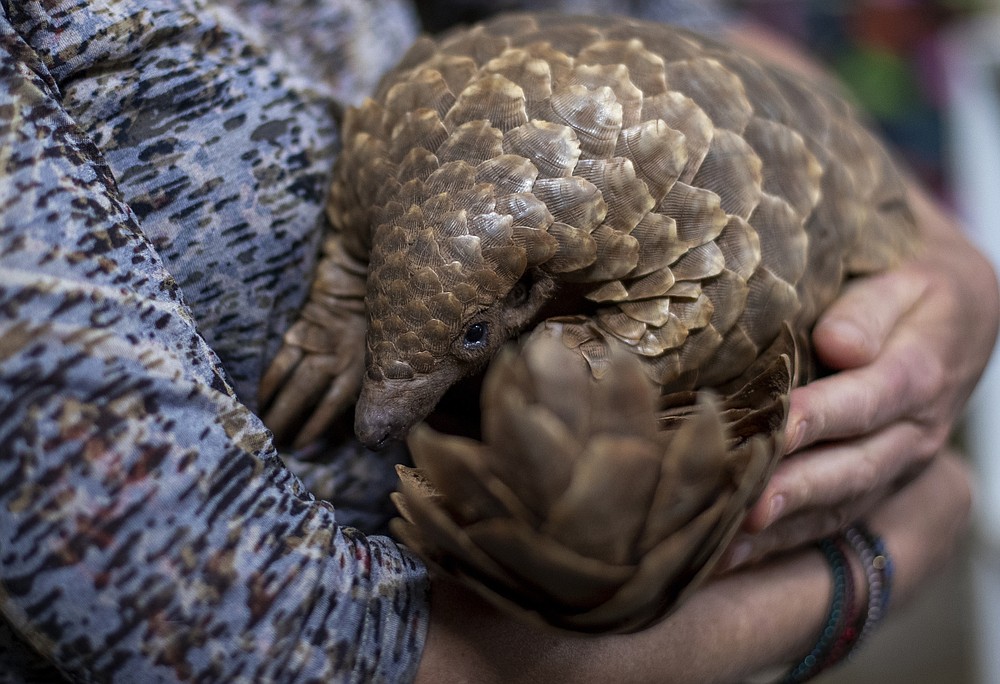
(839, 472)
(907, 381)
(854, 328)
(920, 521)
(799, 529)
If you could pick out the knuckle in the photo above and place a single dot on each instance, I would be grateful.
(931, 377)
(869, 402)
(867, 473)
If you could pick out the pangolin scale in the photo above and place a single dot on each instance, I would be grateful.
(612, 185)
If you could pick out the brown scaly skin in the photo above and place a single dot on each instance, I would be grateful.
(674, 197)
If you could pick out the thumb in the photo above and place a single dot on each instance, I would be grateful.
(854, 328)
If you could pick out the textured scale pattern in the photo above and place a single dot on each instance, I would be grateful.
(688, 187)
(631, 184)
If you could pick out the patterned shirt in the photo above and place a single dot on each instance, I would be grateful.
(163, 171)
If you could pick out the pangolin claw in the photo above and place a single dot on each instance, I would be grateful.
(304, 390)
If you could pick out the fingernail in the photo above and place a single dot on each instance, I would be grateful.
(775, 509)
(738, 554)
(798, 433)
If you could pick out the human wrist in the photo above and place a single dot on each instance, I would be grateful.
(861, 575)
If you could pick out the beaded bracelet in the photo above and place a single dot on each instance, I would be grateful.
(846, 628)
(877, 568)
(857, 616)
(878, 571)
(843, 589)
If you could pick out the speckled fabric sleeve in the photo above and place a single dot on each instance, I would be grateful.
(161, 177)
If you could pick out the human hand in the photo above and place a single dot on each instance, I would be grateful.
(910, 345)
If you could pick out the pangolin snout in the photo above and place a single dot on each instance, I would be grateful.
(375, 428)
(387, 409)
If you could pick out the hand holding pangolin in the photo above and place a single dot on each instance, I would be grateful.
(612, 185)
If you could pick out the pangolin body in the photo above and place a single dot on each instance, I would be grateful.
(608, 182)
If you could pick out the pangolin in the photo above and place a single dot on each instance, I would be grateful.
(614, 185)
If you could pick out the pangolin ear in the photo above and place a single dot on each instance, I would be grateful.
(527, 298)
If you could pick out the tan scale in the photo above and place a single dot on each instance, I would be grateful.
(665, 216)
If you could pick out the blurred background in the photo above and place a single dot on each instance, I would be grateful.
(929, 73)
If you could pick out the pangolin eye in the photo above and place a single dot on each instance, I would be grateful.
(476, 336)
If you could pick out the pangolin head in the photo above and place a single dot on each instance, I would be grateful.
(444, 294)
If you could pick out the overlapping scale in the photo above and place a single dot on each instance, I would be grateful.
(625, 195)
(655, 312)
(697, 213)
(525, 209)
(479, 199)
(740, 245)
(784, 246)
(622, 325)
(714, 88)
(571, 37)
(420, 129)
(659, 245)
(560, 63)
(657, 152)
(770, 303)
(532, 74)
(733, 171)
(662, 339)
(456, 70)
(553, 148)
(698, 263)
(789, 169)
(479, 43)
(682, 114)
(595, 115)
(645, 68)
(617, 78)
(493, 98)
(427, 90)
(617, 254)
(574, 201)
(416, 165)
(671, 45)
(728, 294)
(654, 284)
(472, 142)
(612, 291)
(576, 248)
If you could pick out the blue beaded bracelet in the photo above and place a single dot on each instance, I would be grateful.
(843, 589)
(844, 631)
(878, 572)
